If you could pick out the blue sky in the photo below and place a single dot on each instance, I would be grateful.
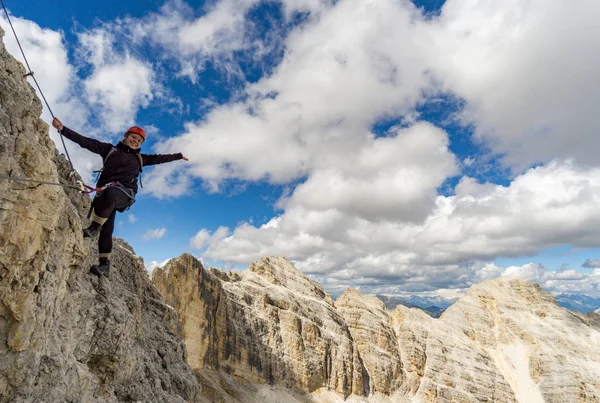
(391, 146)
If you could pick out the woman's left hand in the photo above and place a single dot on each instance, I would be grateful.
(184, 158)
(57, 124)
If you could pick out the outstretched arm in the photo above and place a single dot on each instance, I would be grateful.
(153, 159)
(95, 146)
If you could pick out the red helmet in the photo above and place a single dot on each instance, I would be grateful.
(137, 130)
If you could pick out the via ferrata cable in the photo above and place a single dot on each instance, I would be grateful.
(82, 187)
(31, 74)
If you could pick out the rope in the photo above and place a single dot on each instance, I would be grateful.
(10, 178)
(82, 187)
(30, 73)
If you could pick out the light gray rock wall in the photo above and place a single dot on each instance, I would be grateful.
(66, 335)
(545, 352)
(504, 341)
(269, 324)
(375, 339)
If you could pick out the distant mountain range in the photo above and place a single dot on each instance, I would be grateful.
(578, 302)
(433, 306)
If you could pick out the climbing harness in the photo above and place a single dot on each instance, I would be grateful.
(111, 152)
(119, 186)
(128, 192)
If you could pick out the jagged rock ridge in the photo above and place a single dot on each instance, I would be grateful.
(264, 325)
(505, 341)
(65, 335)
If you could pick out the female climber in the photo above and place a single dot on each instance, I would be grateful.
(118, 180)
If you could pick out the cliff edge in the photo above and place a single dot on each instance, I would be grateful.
(65, 334)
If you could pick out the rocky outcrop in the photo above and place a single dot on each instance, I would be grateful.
(66, 335)
(375, 339)
(268, 324)
(545, 352)
(594, 319)
(444, 364)
(504, 341)
(186, 276)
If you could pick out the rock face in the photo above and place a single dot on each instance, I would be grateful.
(269, 324)
(65, 335)
(375, 339)
(185, 276)
(594, 319)
(544, 352)
(505, 341)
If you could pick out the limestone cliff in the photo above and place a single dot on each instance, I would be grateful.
(375, 339)
(65, 335)
(505, 341)
(269, 324)
(544, 352)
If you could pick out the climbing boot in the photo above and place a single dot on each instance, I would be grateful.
(92, 230)
(101, 269)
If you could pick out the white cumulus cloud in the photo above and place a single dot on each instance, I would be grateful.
(526, 70)
(156, 233)
(205, 238)
(543, 208)
(119, 84)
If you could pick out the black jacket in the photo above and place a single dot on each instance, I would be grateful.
(123, 165)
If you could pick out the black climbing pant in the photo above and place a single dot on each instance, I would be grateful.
(106, 204)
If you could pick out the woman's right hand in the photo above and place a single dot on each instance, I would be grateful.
(57, 124)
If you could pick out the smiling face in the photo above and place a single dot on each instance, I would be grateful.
(133, 140)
